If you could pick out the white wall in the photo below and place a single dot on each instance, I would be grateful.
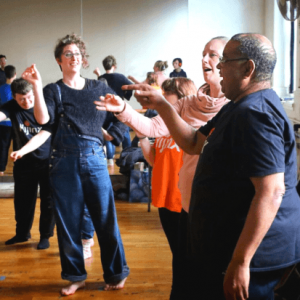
(208, 19)
(136, 32)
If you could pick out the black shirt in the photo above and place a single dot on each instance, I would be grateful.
(2, 77)
(250, 138)
(178, 74)
(25, 127)
(115, 81)
(80, 109)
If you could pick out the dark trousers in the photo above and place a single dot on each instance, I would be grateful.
(5, 138)
(210, 284)
(182, 262)
(170, 223)
(27, 177)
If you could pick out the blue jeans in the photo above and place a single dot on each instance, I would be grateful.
(78, 176)
(126, 141)
(87, 231)
(110, 150)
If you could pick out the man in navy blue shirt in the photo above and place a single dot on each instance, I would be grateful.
(245, 211)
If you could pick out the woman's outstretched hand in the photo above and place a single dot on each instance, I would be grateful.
(111, 103)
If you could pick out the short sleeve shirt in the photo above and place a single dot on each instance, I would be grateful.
(24, 128)
(250, 138)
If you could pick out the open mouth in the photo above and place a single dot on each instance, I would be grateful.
(207, 70)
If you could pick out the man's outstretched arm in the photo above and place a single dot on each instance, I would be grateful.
(186, 137)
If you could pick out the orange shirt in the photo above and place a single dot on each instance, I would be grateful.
(165, 174)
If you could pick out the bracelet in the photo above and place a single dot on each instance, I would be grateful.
(121, 111)
(141, 138)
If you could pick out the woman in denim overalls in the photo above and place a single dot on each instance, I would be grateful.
(78, 169)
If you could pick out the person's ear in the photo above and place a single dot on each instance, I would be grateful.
(249, 68)
(58, 60)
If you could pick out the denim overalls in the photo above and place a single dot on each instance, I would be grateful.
(78, 175)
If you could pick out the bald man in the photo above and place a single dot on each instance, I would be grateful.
(245, 210)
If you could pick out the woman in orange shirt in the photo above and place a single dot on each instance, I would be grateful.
(166, 158)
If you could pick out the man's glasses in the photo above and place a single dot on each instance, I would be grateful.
(223, 60)
(70, 54)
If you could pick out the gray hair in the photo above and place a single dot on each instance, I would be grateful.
(221, 38)
(263, 56)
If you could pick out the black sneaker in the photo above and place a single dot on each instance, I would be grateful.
(16, 239)
(43, 244)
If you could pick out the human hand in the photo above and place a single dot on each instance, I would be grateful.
(111, 103)
(16, 155)
(236, 281)
(97, 72)
(106, 135)
(32, 75)
(146, 95)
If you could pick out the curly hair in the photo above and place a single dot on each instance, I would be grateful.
(179, 86)
(263, 57)
(68, 40)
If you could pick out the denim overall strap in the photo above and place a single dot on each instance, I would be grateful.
(78, 176)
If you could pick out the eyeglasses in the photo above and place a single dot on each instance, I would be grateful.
(223, 60)
(70, 54)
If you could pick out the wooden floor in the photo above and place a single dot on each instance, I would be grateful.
(27, 273)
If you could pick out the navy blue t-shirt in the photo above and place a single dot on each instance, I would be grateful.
(116, 81)
(24, 127)
(250, 138)
(81, 111)
(178, 74)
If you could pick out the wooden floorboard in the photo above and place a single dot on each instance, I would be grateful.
(27, 273)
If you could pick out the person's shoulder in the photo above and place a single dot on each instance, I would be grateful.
(261, 100)
(11, 106)
(105, 75)
(186, 102)
(10, 103)
(94, 84)
(259, 106)
(119, 75)
(4, 87)
(53, 86)
(189, 100)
